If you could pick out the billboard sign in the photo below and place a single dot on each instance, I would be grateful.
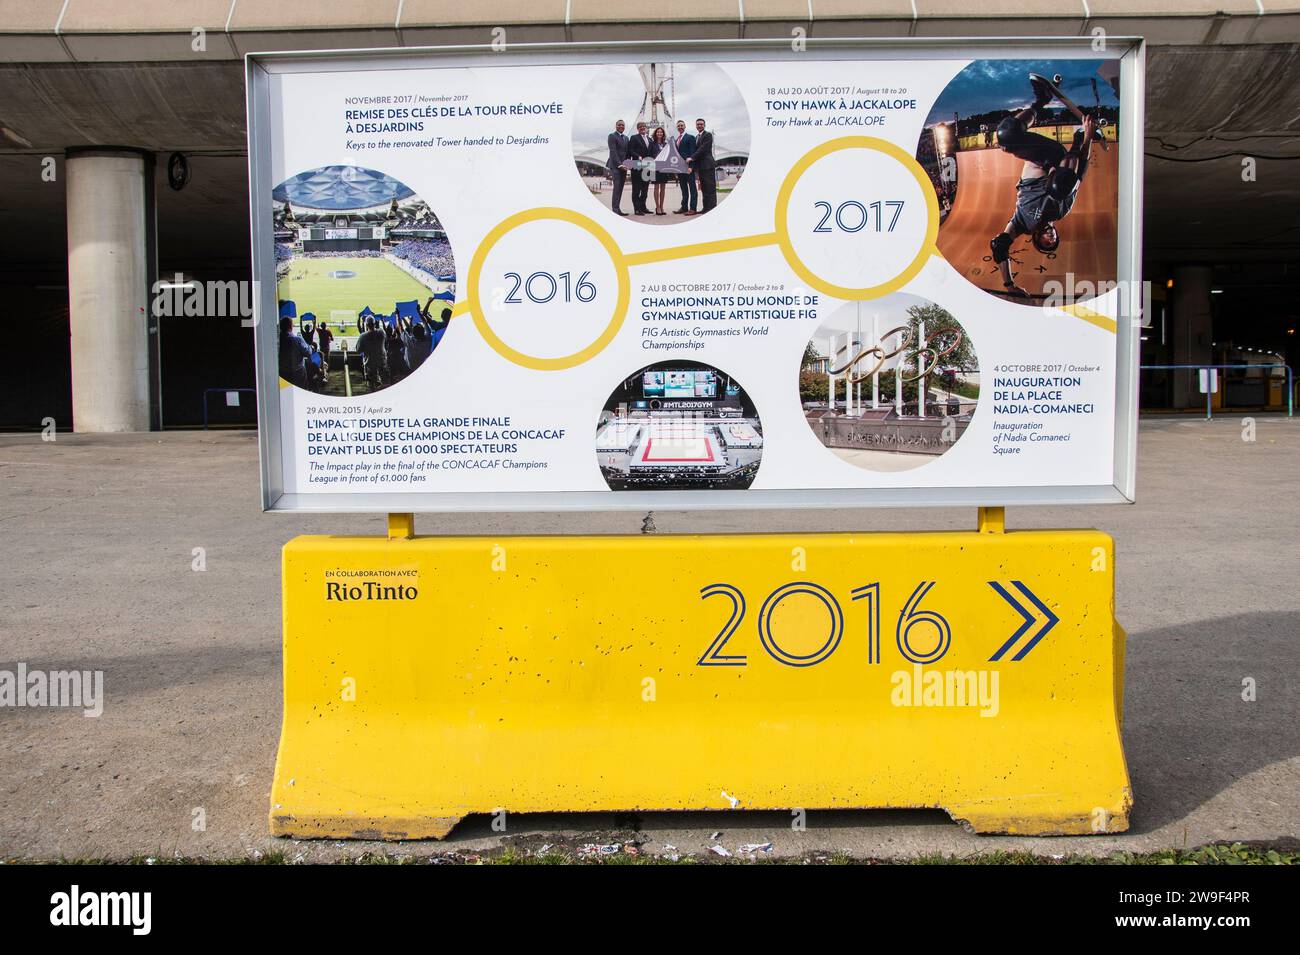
(892, 272)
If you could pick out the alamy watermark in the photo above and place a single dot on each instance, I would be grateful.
(133, 910)
(1135, 296)
(84, 689)
(179, 297)
(976, 689)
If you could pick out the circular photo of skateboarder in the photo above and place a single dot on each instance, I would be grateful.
(890, 384)
(1021, 155)
(679, 425)
(661, 143)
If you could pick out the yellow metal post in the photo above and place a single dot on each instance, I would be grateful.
(401, 527)
(992, 520)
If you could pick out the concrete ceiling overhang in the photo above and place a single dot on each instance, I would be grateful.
(1220, 88)
(189, 30)
(198, 105)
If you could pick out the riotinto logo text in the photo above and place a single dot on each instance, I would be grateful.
(368, 590)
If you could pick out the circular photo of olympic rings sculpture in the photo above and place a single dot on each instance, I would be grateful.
(889, 384)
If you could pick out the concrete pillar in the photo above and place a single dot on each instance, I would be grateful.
(1191, 326)
(110, 268)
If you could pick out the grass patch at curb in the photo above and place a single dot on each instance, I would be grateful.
(1235, 853)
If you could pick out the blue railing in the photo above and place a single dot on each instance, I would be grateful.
(1209, 410)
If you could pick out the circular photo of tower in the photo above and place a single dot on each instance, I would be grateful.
(679, 426)
(889, 384)
(365, 280)
(661, 143)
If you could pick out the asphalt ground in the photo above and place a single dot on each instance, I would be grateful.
(97, 534)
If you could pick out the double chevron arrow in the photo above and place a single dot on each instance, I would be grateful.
(1051, 620)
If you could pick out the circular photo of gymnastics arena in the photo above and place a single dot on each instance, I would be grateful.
(679, 426)
(365, 279)
(890, 384)
(661, 143)
(1023, 157)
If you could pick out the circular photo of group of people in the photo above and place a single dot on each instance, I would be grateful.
(1022, 157)
(365, 280)
(889, 384)
(661, 143)
(679, 425)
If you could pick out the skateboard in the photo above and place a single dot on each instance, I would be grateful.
(1073, 107)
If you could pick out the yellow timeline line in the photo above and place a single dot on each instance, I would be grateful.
(1094, 318)
(758, 241)
(701, 248)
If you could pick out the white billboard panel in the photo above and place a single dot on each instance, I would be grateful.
(698, 275)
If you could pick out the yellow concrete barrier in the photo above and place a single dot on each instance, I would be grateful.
(429, 678)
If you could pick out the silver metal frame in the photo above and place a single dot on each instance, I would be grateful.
(1130, 51)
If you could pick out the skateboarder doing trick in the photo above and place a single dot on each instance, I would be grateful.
(1049, 180)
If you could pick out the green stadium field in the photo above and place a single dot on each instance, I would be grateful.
(377, 283)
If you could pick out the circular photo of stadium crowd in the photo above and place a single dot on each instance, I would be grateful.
(365, 279)
(679, 425)
(890, 384)
(661, 143)
(1023, 158)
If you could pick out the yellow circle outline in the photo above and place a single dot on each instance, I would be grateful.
(928, 244)
(620, 306)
